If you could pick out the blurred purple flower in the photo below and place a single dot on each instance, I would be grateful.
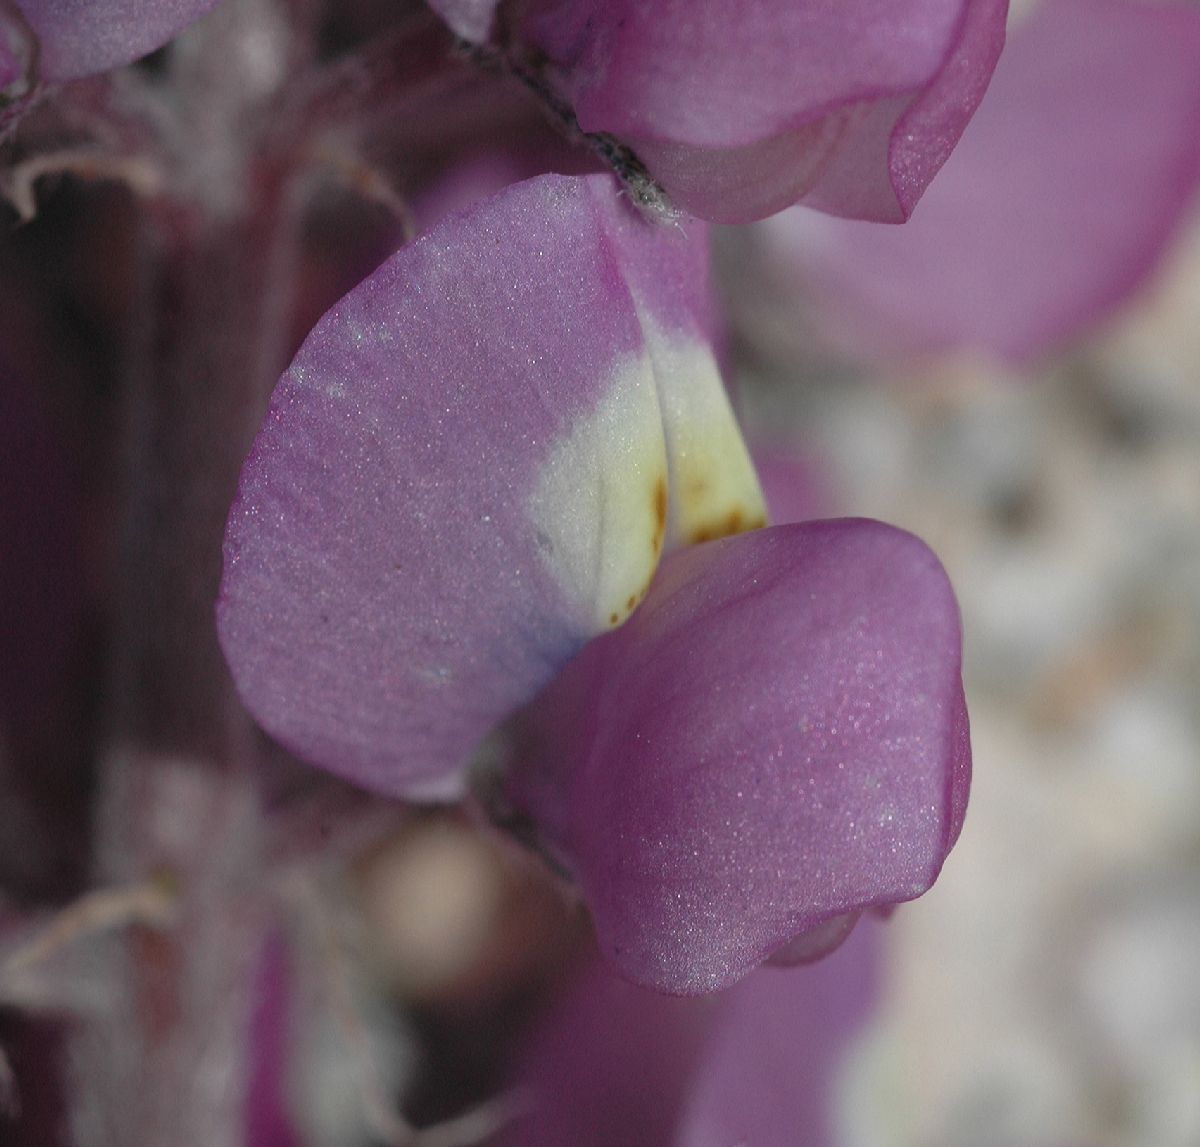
(82, 37)
(613, 1063)
(1062, 197)
(471, 471)
(740, 109)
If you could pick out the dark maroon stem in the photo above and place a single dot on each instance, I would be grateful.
(166, 1061)
(208, 356)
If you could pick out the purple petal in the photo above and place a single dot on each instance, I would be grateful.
(740, 109)
(468, 471)
(612, 1063)
(777, 738)
(1061, 198)
(83, 37)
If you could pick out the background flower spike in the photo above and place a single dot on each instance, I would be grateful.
(463, 477)
(777, 738)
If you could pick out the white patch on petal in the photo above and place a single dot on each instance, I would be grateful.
(600, 503)
(714, 489)
(658, 464)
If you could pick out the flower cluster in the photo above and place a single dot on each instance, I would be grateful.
(493, 541)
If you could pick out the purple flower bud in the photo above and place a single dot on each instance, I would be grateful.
(740, 109)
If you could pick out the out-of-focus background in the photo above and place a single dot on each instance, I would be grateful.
(1047, 990)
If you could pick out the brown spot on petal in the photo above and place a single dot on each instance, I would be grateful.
(660, 514)
(737, 521)
(631, 603)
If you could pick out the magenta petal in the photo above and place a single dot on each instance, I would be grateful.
(778, 737)
(465, 474)
(742, 108)
(83, 37)
(1063, 194)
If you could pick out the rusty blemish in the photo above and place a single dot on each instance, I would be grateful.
(631, 603)
(735, 522)
(658, 502)
(660, 515)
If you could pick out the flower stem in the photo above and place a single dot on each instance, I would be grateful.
(178, 788)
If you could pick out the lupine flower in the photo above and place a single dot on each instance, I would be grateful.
(79, 38)
(1060, 200)
(471, 471)
(741, 109)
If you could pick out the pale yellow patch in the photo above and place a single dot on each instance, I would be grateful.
(714, 490)
(600, 502)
